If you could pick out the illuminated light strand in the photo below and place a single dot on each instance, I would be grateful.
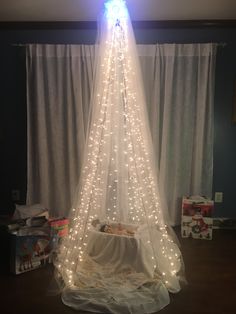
(142, 198)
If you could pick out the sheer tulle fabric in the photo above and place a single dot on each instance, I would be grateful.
(131, 266)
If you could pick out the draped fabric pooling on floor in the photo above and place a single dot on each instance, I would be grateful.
(120, 255)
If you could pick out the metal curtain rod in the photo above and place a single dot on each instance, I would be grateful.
(221, 44)
(19, 45)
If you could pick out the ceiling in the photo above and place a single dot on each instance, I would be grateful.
(88, 10)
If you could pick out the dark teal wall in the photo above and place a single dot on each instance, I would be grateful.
(225, 131)
(12, 126)
(13, 132)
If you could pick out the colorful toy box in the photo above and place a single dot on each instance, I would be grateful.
(197, 221)
(59, 229)
(29, 252)
(30, 243)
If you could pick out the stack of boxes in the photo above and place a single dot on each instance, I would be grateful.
(31, 245)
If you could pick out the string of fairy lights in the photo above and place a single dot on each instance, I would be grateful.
(118, 183)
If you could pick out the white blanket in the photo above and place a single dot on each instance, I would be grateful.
(121, 251)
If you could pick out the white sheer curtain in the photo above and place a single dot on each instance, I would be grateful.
(59, 81)
(179, 84)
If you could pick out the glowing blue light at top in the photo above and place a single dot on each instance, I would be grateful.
(116, 11)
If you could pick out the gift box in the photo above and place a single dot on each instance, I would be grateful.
(29, 242)
(26, 244)
(29, 249)
(197, 221)
(59, 229)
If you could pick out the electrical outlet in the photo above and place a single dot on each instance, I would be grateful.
(218, 197)
(15, 195)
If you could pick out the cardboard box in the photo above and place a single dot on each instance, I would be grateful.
(29, 243)
(59, 229)
(29, 252)
(197, 221)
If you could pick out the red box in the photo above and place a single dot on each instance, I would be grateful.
(197, 221)
(59, 229)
